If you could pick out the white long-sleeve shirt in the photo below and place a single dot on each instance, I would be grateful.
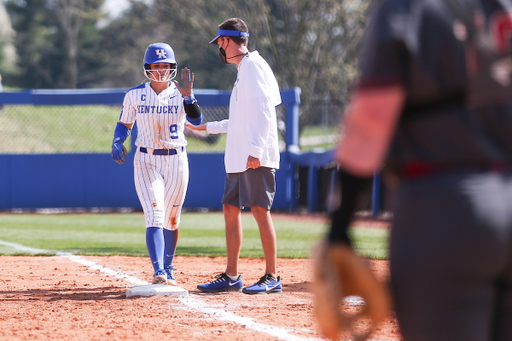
(252, 123)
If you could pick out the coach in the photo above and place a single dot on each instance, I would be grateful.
(251, 159)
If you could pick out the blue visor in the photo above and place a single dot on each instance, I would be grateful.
(229, 33)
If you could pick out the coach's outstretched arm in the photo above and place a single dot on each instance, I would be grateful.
(192, 109)
(121, 133)
(214, 127)
(199, 127)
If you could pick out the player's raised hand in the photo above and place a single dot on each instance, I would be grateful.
(185, 84)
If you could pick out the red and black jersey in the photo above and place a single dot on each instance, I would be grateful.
(423, 45)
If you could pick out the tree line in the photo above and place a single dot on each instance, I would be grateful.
(62, 43)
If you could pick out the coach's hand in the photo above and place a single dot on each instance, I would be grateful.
(119, 152)
(200, 127)
(253, 162)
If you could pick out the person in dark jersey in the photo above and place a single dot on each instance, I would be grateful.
(413, 114)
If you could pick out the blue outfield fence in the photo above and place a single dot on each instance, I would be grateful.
(93, 180)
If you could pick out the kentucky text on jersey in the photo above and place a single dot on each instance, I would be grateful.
(152, 109)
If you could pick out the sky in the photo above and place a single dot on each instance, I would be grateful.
(115, 7)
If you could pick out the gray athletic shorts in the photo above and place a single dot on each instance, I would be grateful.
(254, 187)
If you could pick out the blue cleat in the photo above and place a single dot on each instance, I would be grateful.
(266, 285)
(160, 277)
(169, 270)
(222, 283)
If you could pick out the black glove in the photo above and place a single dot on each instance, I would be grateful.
(351, 187)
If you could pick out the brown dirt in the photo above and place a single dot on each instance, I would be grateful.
(54, 298)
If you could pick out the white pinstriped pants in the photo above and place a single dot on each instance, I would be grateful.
(161, 182)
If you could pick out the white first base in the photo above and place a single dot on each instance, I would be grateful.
(156, 290)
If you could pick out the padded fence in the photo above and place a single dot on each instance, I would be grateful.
(55, 152)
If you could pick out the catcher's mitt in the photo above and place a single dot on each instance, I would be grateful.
(338, 273)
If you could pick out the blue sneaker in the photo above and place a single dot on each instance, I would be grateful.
(160, 277)
(222, 283)
(169, 271)
(266, 285)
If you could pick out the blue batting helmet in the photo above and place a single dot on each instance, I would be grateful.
(159, 53)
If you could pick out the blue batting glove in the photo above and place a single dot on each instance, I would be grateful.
(118, 152)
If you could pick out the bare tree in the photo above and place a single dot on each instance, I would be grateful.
(312, 44)
(7, 37)
(309, 44)
(70, 15)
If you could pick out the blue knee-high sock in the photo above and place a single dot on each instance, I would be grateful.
(155, 244)
(171, 240)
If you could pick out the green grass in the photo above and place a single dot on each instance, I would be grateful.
(321, 137)
(309, 131)
(201, 234)
(371, 242)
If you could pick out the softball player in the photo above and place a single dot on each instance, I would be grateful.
(160, 108)
(451, 240)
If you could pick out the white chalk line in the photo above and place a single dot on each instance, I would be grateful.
(107, 271)
(90, 264)
(222, 315)
(23, 248)
(192, 303)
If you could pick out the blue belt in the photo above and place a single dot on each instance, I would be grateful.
(160, 151)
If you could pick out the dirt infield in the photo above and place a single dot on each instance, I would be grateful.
(57, 298)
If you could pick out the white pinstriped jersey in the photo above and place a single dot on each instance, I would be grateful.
(160, 118)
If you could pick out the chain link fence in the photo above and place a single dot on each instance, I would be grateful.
(47, 129)
(30, 129)
(201, 142)
(319, 125)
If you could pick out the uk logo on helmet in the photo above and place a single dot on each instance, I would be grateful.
(161, 53)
